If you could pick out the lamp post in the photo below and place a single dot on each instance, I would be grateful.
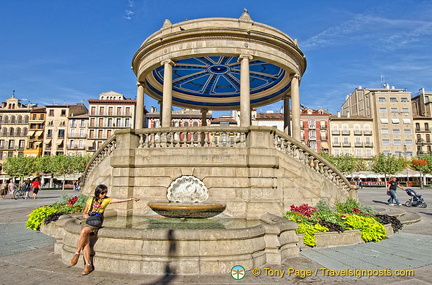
(405, 154)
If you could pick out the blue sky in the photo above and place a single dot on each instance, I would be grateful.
(58, 51)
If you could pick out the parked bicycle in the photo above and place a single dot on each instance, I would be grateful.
(19, 193)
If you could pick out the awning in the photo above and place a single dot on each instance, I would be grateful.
(324, 145)
(37, 143)
(59, 142)
(30, 133)
(38, 133)
(48, 141)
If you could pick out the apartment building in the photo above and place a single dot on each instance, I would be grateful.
(34, 145)
(352, 135)
(14, 122)
(314, 129)
(56, 127)
(422, 109)
(77, 134)
(180, 118)
(111, 112)
(392, 115)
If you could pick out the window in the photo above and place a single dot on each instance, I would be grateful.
(61, 133)
(63, 112)
(51, 112)
(385, 142)
(93, 111)
(384, 121)
(359, 152)
(383, 110)
(49, 133)
(397, 142)
(395, 121)
(71, 144)
(119, 111)
(73, 123)
(393, 99)
(128, 109)
(405, 111)
(396, 131)
(394, 110)
(404, 99)
(408, 142)
(426, 125)
(406, 121)
(102, 111)
(384, 131)
(381, 99)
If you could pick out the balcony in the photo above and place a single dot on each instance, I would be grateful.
(368, 144)
(346, 132)
(358, 132)
(367, 132)
(358, 144)
(335, 132)
(336, 144)
(346, 144)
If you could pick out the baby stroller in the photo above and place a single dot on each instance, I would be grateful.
(415, 200)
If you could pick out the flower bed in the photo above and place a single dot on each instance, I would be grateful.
(66, 205)
(312, 221)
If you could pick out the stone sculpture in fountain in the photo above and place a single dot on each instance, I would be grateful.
(187, 196)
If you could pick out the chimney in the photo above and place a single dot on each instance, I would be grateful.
(348, 114)
(338, 114)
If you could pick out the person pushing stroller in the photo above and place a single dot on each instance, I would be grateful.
(391, 191)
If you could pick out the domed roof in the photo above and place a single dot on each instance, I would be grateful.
(206, 69)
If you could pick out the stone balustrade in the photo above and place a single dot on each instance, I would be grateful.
(228, 137)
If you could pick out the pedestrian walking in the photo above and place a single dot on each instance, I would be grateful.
(11, 188)
(35, 186)
(27, 188)
(391, 191)
(4, 189)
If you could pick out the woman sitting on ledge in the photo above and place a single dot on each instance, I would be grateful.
(95, 206)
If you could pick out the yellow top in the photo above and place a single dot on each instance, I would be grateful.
(98, 205)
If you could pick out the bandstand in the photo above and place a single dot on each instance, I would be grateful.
(253, 177)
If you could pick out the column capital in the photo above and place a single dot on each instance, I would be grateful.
(139, 84)
(248, 56)
(295, 75)
(168, 60)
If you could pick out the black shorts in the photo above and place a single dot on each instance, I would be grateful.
(35, 190)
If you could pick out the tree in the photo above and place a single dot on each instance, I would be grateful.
(420, 165)
(346, 163)
(20, 166)
(388, 164)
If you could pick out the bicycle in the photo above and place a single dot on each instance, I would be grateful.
(19, 193)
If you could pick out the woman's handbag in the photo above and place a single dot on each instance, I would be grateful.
(94, 219)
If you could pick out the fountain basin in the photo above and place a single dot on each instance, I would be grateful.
(149, 250)
(187, 210)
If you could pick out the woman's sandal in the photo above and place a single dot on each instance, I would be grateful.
(74, 260)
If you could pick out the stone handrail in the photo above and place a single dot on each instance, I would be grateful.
(314, 161)
(101, 153)
(208, 137)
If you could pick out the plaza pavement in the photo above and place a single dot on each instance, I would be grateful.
(26, 256)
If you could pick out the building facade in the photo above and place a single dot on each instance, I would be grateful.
(391, 111)
(14, 122)
(111, 112)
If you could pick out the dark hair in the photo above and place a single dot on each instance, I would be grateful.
(99, 189)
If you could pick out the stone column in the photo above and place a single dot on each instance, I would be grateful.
(204, 117)
(295, 100)
(160, 114)
(139, 115)
(167, 93)
(287, 116)
(245, 116)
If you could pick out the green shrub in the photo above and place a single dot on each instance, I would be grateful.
(37, 215)
(370, 228)
(309, 232)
